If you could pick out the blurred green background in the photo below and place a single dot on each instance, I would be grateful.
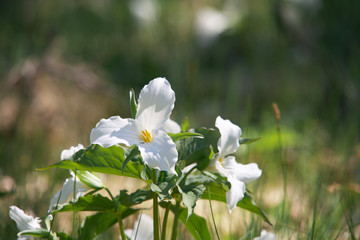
(66, 64)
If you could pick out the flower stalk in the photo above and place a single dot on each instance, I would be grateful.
(166, 216)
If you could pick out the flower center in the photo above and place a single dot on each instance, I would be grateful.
(145, 136)
(221, 161)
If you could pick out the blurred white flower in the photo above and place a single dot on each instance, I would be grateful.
(237, 174)
(145, 11)
(155, 104)
(143, 229)
(24, 221)
(265, 235)
(209, 23)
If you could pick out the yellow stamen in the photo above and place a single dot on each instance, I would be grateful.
(145, 136)
(220, 160)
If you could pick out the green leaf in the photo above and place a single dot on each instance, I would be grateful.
(133, 105)
(196, 150)
(96, 224)
(88, 203)
(195, 224)
(41, 233)
(177, 136)
(105, 160)
(164, 184)
(133, 153)
(218, 194)
(248, 140)
(190, 194)
(185, 125)
(134, 198)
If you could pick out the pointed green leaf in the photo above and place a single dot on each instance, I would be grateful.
(190, 194)
(88, 203)
(185, 125)
(165, 182)
(41, 233)
(105, 160)
(134, 198)
(133, 105)
(196, 150)
(248, 140)
(133, 153)
(96, 224)
(196, 225)
(177, 136)
(218, 194)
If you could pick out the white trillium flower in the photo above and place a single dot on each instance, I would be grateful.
(155, 103)
(143, 229)
(68, 153)
(237, 174)
(80, 184)
(24, 222)
(265, 235)
(70, 186)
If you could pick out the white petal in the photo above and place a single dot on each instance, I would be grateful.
(265, 235)
(156, 101)
(229, 139)
(245, 173)
(236, 192)
(143, 228)
(68, 153)
(66, 190)
(24, 221)
(171, 126)
(160, 153)
(113, 131)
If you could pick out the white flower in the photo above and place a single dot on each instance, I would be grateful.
(265, 235)
(143, 229)
(68, 153)
(156, 101)
(24, 221)
(237, 174)
(81, 183)
(70, 186)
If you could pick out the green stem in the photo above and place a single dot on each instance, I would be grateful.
(176, 219)
(212, 215)
(121, 225)
(74, 211)
(156, 217)
(167, 210)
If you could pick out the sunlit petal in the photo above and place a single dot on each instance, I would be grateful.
(171, 126)
(236, 192)
(245, 173)
(67, 189)
(113, 131)
(160, 153)
(68, 153)
(265, 235)
(24, 221)
(229, 140)
(156, 101)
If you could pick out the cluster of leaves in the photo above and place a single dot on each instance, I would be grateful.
(193, 147)
(191, 181)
